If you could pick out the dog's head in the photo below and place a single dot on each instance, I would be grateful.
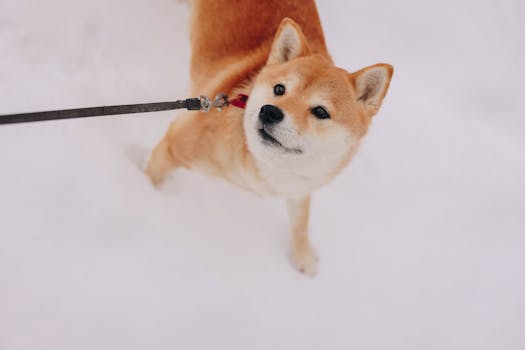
(306, 114)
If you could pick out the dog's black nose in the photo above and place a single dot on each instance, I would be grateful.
(270, 114)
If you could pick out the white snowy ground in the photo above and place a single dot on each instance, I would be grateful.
(422, 239)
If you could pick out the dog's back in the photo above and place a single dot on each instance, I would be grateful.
(239, 34)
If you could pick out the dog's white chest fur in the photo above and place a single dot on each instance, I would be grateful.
(293, 177)
(284, 182)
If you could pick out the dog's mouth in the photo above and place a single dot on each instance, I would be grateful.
(269, 140)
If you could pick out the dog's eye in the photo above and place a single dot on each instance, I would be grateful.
(320, 112)
(279, 90)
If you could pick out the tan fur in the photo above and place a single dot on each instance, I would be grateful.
(249, 46)
(303, 255)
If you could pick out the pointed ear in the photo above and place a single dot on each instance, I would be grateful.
(371, 84)
(288, 43)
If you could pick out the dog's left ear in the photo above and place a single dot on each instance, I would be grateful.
(371, 84)
(289, 43)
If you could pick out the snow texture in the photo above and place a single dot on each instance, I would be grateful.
(421, 239)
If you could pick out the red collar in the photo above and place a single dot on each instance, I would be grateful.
(239, 101)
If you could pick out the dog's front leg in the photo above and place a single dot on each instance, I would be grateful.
(160, 162)
(303, 255)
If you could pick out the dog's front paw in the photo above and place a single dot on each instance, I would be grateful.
(305, 259)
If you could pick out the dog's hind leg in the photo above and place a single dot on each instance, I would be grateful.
(161, 162)
(303, 255)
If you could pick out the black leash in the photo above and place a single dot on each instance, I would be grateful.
(202, 103)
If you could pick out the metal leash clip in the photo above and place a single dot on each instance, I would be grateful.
(221, 100)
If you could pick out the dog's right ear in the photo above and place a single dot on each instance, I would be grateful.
(289, 43)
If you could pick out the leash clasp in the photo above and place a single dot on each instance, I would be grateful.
(221, 100)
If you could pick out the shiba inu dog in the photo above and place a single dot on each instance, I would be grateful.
(304, 117)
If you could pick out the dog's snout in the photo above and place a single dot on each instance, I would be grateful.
(270, 114)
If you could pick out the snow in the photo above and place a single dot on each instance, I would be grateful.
(421, 240)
